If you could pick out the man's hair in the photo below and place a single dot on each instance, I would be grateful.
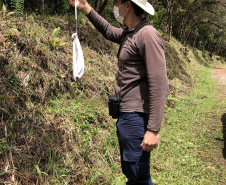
(137, 10)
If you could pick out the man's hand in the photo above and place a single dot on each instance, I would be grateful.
(81, 4)
(150, 141)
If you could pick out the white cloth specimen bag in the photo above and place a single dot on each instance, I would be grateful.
(78, 59)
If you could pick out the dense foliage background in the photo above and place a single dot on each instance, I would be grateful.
(199, 23)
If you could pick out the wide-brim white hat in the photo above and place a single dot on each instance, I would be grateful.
(146, 6)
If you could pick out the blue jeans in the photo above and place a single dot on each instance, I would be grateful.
(131, 128)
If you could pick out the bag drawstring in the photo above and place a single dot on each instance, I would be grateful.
(75, 17)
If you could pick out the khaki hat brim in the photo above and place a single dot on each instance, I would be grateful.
(148, 8)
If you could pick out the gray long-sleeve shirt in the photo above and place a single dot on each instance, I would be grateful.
(141, 80)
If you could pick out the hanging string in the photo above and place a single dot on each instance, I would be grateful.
(75, 17)
(78, 59)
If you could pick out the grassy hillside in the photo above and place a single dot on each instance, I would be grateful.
(54, 130)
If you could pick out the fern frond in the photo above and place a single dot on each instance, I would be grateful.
(18, 6)
(55, 32)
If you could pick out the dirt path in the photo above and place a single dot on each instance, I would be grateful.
(219, 73)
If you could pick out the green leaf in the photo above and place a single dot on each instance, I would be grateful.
(4, 110)
(39, 171)
(5, 172)
(55, 32)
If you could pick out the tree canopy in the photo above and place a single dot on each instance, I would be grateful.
(199, 23)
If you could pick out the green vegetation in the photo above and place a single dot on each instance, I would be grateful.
(18, 6)
(190, 150)
(54, 130)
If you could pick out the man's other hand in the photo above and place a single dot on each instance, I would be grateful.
(150, 141)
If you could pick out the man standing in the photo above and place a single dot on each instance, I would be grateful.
(141, 83)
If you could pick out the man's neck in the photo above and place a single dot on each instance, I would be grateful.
(132, 21)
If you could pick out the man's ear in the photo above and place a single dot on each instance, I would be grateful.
(128, 4)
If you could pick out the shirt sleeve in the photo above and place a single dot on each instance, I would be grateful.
(109, 32)
(152, 51)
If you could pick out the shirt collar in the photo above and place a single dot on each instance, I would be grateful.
(138, 26)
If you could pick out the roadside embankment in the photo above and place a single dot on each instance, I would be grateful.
(54, 130)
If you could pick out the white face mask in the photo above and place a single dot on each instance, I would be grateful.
(118, 17)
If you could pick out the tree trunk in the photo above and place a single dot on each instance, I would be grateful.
(218, 50)
(194, 43)
(103, 6)
(43, 6)
(170, 18)
(97, 5)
